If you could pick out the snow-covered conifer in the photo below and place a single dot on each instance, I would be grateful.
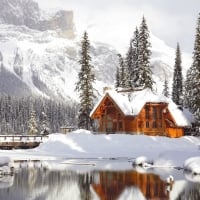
(144, 72)
(84, 85)
(192, 83)
(132, 59)
(166, 88)
(177, 87)
(117, 78)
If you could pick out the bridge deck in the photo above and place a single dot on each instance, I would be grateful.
(21, 141)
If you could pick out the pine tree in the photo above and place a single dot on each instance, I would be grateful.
(85, 85)
(129, 64)
(121, 71)
(188, 90)
(177, 87)
(132, 59)
(117, 81)
(166, 88)
(123, 74)
(192, 86)
(144, 72)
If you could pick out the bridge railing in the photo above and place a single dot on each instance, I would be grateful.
(23, 138)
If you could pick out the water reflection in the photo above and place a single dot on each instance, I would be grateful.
(38, 183)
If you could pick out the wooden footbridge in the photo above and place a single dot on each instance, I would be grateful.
(21, 141)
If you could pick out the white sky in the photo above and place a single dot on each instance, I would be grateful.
(114, 21)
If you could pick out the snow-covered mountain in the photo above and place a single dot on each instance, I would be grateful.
(42, 59)
(39, 53)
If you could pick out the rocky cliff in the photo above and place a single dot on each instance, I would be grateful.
(28, 13)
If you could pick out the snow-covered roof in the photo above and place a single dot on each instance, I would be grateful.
(179, 116)
(131, 103)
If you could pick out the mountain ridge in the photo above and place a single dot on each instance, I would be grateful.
(44, 62)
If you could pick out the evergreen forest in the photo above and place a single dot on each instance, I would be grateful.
(16, 114)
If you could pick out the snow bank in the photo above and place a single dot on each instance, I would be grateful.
(85, 146)
(192, 169)
(192, 165)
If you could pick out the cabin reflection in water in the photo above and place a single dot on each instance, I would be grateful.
(112, 185)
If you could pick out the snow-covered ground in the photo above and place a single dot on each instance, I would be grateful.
(83, 151)
(115, 151)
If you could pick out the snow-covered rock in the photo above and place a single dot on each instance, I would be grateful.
(192, 165)
(170, 179)
(142, 161)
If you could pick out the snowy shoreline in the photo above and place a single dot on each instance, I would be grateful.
(81, 147)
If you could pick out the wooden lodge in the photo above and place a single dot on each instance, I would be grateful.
(140, 112)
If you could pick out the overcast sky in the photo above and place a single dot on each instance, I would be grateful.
(114, 21)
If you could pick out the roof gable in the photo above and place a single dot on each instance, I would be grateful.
(119, 101)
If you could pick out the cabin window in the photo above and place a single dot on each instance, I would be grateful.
(155, 113)
(147, 124)
(154, 125)
(147, 112)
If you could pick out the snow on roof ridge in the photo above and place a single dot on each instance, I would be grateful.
(131, 103)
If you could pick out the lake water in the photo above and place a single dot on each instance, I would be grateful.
(41, 183)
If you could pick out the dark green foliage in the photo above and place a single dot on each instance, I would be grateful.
(177, 87)
(123, 75)
(85, 86)
(135, 68)
(192, 83)
(145, 73)
(117, 81)
(166, 89)
(136, 72)
(132, 60)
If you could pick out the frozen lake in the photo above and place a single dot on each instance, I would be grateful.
(38, 181)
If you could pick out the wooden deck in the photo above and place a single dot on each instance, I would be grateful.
(21, 141)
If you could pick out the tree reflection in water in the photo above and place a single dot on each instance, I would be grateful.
(44, 184)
